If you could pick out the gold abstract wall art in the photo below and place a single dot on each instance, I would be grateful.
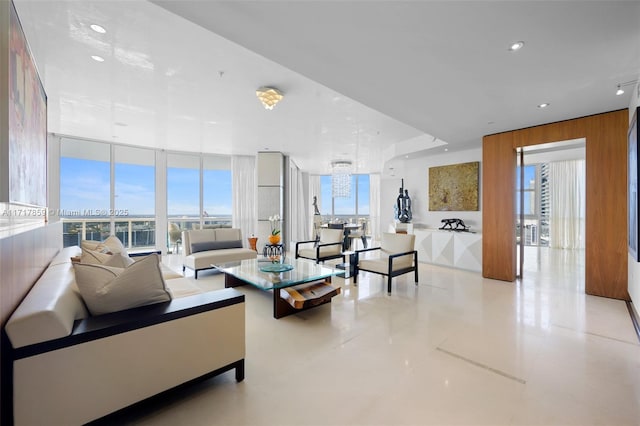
(454, 187)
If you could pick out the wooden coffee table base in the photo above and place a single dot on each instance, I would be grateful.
(291, 300)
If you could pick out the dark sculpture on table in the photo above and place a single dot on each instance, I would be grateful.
(458, 223)
(317, 220)
(403, 205)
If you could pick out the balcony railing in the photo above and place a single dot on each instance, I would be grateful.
(134, 232)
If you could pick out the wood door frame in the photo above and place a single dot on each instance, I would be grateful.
(606, 198)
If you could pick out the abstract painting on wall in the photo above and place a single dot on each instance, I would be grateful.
(454, 187)
(27, 123)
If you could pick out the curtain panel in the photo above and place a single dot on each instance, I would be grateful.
(300, 203)
(244, 195)
(374, 206)
(567, 204)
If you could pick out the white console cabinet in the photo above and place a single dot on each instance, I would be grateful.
(461, 250)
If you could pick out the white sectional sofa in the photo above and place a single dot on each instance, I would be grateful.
(70, 368)
(206, 247)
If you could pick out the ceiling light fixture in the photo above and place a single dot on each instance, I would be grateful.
(620, 86)
(269, 96)
(543, 105)
(97, 58)
(97, 28)
(516, 46)
(341, 179)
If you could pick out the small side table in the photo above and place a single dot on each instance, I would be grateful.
(272, 250)
(252, 243)
(349, 263)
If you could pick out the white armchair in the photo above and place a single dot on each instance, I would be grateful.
(328, 247)
(397, 256)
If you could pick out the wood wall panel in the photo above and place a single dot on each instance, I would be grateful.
(606, 197)
(553, 132)
(606, 259)
(498, 218)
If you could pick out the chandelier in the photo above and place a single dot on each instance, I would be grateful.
(341, 179)
(269, 96)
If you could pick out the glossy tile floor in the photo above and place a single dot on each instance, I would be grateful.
(455, 350)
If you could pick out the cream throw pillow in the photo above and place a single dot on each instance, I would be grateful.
(94, 246)
(110, 246)
(100, 258)
(107, 289)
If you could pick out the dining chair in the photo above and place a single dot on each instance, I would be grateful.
(359, 234)
(328, 247)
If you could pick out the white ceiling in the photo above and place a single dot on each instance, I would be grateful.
(365, 80)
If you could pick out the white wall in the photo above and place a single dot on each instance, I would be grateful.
(634, 266)
(416, 179)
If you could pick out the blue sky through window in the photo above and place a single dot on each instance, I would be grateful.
(183, 192)
(217, 192)
(85, 186)
(135, 189)
(345, 206)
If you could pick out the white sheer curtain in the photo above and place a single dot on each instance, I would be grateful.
(243, 190)
(567, 204)
(374, 206)
(300, 203)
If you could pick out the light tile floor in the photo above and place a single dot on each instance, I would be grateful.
(455, 350)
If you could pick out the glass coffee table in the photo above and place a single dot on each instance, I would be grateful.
(297, 284)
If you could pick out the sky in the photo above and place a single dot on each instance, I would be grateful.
(345, 206)
(85, 186)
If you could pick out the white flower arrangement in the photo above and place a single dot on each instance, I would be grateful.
(275, 224)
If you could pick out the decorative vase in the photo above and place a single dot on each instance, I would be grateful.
(274, 239)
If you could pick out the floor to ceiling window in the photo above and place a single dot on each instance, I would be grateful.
(133, 213)
(111, 189)
(85, 190)
(531, 192)
(198, 193)
(216, 191)
(345, 209)
(553, 204)
(183, 191)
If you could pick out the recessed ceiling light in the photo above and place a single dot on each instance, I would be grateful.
(544, 105)
(516, 46)
(97, 58)
(97, 28)
(121, 124)
(446, 149)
